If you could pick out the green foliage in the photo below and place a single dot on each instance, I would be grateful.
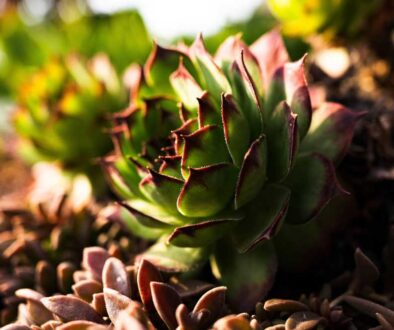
(334, 18)
(214, 152)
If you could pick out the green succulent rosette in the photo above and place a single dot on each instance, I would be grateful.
(215, 153)
(334, 17)
(62, 111)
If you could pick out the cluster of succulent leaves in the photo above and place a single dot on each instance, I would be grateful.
(62, 111)
(215, 153)
(308, 17)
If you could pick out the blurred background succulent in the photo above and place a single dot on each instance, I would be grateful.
(215, 154)
(333, 18)
(62, 109)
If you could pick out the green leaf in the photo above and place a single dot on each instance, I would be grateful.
(137, 228)
(215, 80)
(236, 129)
(162, 189)
(170, 258)
(248, 277)
(253, 172)
(297, 94)
(264, 217)
(282, 138)
(204, 147)
(275, 94)
(313, 184)
(331, 131)
(186, 87)
(207, 190)
(203, 233)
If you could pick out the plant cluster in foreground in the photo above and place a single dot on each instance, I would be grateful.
(215, 154)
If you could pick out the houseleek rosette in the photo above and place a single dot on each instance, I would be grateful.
(215, 153)
(62, 109)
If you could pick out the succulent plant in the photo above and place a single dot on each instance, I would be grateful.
(62, 109)
(107, 294)
(308, 17)
(215, 153)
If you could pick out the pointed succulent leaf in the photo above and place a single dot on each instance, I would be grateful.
(136, 222)
(213, 301)
(145, 220)
(284, 305)
(170, 166)
(248, 277)
(70, 308)
(282, 141)
(245, 92)
(81, 325)
(369, 308)
(297, 94)
(331, 131)
(184, 319)
(230, 50)
(271, 54)
(159, 66)
(214, 79)
(147, 273)
(253, 172)
(304, 320)
(207, 114)
(276, 93)
(233, 322)
(186, 87)
(264, 217)
(94, 259)
(207, 190)
(169, 258)
(313, 184)
(115, 276)
(204, 147)
(366, 272)
(236, 129)
(161, 189)
(166, 301)
(203, 233)
(115, 303)
(86, 289)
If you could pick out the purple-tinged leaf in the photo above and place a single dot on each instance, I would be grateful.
(188, 289)
(35, 309)
(284, 305)
(366, 273)
(81, 325)
(313, 184)
(253, 172)
(126, 322)
(283, 138)
(184, 319)
(86, 289)
(51, 325)
(186, 87)
(297, 94)
(115, 303)
(64, 272)
(248, 277)
(369, 308)
(187, 128)
(70, 308)
(271, 54)
(115, 276)
(207, 190)
(214, 302)
(383, 322)
(94, 259)
(305, 320)
(15, 326)
(146, 274)
(331, 131)
(236, 129)
(98, 303)
(233, 322)
(166, 301)
(29, 294)
(264, 217)
(204, 147)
